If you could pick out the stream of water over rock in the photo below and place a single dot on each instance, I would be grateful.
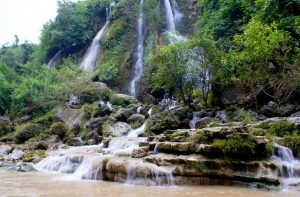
(91, 54)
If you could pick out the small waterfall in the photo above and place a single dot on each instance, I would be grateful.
(170, 16)
(54, 61)
(194, 120)
(177, 14)
(89, 162)
(289, 168)
(90, 56)
(139, 52)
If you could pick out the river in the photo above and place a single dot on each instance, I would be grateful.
(33, 184)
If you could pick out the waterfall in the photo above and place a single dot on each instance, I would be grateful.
(139, 53)
(54, 61)
(169, 16)
(90, 56)
(177, 14)
(289, 167)
(195, 119)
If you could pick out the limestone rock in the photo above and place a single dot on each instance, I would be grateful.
(5, 149)
(16, 154)
(72, 117)
(140, 152)
(297, 114)
(201, 123)
(118, 129)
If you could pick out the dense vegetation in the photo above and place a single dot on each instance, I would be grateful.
(250, 43)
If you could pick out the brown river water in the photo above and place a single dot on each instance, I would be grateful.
(52, 184)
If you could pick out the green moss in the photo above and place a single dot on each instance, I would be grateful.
(26, 131)
(282, 128)
(59, 128)
(264, 125)
(258, 132)
(47, 119)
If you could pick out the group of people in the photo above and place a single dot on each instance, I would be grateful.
(167, 102)
(102, 105)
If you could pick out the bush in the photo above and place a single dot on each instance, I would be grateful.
(26, 131)
(59, 129)
(281, 128)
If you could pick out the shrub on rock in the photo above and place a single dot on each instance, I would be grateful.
(26, 131)
(59, 129)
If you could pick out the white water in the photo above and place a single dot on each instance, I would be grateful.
(87, 162)
(194, 120)
(91, 55)
(169, 16)
(53, 63)
(139, 53)
(289, 167)
(177, 14)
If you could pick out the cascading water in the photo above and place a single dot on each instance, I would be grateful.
(289, 167)
(54, 61)
(90, 162)
(195, 119)
(90, 56)
(177, 14)
(169, 16)
(139, 52)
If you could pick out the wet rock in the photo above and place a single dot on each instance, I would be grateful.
(140, 152)
(93, 138)
(5, 149)
(16, 154)
(72, 117)
(24, 167)
(136, 120)
(118, 129)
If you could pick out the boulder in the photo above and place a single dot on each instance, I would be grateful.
(59, 128)
(235, 95)
(118, 129)
(93, 136)
(100, 85)
(148, 99)
(136, 120)
(161, 122)
(24, 167)
(124, 113)
(16, 154)
(176, 147)
(5, 149)
(72, 117)
(286, 110)
(26, 131)
(95, 124)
